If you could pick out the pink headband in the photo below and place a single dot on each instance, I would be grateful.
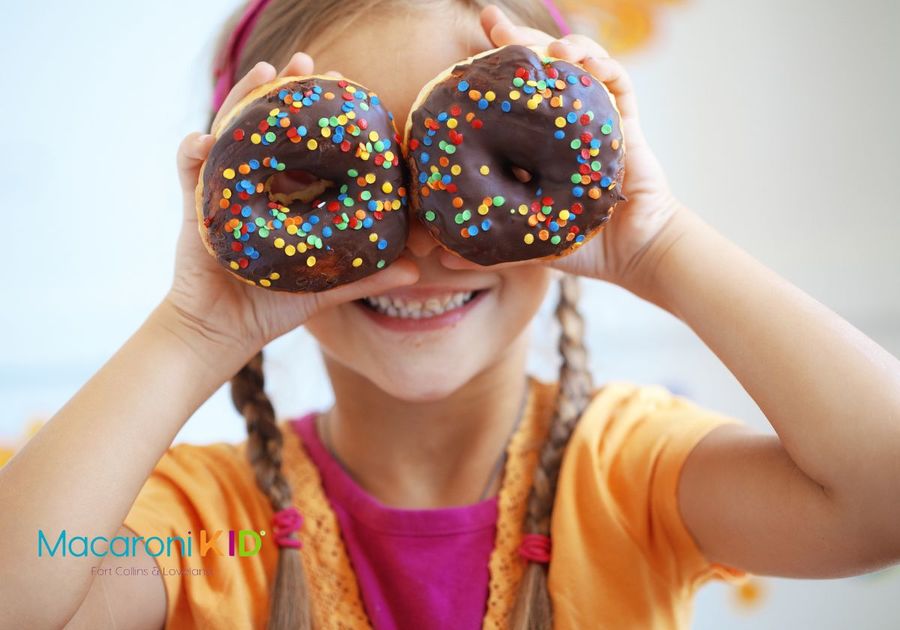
(225, 69)
(557, 16)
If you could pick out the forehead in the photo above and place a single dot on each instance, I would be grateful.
(396, 55)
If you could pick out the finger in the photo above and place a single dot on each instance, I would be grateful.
(335, 74)
(458, 263)
(501, 30)
(300, 64)
(613, 75)
(566, 50)
(504, 34)
(581, 261)
(401, 272)
(192, 151)
(491, 16)
(257, 75)
(575, 48)
(590, 46)
(535, 36)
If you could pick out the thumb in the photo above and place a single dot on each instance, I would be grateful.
(192, 151)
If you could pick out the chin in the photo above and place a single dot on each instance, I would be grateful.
(424, 342)
(427, 379)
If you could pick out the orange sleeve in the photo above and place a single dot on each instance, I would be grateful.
(194, 492)
(644, 438)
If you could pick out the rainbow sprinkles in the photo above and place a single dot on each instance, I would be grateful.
(339, 133)
(514, 107)
(470, 134)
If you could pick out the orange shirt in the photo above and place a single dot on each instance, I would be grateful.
(621, 558)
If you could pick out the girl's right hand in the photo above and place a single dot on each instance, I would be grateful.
(214, 306)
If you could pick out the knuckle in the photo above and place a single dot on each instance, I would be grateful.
(316, 302)
(186, 141)
(181, 155)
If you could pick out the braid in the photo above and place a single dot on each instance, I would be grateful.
(290, 607)
(532, 610)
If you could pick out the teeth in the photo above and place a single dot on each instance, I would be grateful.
(411, 308)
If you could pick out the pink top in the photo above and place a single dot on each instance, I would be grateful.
(415, 568)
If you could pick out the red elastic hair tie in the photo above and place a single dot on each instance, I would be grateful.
(284, 523)
(535, 547)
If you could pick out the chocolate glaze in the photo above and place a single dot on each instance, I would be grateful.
(520, 137)
(350, 202)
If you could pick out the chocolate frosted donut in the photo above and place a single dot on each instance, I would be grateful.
(343, 214)
(504, 111)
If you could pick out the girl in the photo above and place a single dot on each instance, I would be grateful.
(444, 488)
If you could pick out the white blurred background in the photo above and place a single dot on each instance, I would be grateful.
(775, 120)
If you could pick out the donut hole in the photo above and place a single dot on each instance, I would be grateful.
(293, 185)
(520, 174)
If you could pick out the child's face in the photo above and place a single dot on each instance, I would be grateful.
(424, 358)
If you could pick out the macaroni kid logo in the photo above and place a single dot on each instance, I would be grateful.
(242, 543)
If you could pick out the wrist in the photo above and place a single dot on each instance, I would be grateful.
(218, 356)
(649, 278)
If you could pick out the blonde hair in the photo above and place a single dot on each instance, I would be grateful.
(284, 27)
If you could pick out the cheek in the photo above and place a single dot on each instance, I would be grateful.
(326, 327)
(523, 291)
(431, 366)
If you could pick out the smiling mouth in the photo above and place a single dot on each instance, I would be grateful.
(413, 308)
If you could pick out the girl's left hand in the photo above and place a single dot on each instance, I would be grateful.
(617, 252)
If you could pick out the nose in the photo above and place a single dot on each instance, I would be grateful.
(419, 242)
